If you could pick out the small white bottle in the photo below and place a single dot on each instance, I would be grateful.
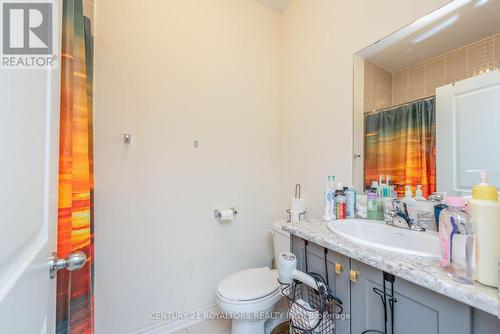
(419, 194)
(411, 204)
(332, 198)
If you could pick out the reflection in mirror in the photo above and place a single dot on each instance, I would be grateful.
(426, 101)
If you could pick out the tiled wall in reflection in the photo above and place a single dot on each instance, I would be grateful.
(421, 80)
(378, 87)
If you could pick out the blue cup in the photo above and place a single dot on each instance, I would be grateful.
(437, 212)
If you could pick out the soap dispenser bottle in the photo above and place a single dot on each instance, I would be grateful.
(419, 194)
(485, 209)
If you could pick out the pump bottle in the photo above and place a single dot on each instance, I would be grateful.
(485, 210)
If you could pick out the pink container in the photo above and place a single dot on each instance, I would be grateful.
(456, 202)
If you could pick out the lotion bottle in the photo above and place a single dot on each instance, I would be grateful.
(485, 209)
(329, 200)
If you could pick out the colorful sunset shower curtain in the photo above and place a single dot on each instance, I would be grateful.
(401, 142)
(76, 184)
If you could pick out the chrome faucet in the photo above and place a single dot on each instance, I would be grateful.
(437, 197)
(397, 212)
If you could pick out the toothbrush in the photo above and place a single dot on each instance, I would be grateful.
(453, 232)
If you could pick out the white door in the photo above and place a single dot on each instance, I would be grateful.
(29, 133)
(467, 132)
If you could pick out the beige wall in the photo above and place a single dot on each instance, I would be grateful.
(319, 40)
(421, 80)
(171, 72)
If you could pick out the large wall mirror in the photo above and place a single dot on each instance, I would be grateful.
(427, 101)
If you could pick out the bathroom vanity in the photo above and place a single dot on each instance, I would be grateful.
(428, 300)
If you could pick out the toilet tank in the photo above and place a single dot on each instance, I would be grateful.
(281, 239)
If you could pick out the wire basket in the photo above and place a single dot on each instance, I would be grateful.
(311, 310)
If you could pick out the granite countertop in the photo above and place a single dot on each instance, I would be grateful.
(421, 271)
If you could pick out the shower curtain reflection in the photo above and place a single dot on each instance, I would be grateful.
(401, 142)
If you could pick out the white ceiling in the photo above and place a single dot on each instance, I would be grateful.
(277, 5)
(455, 25)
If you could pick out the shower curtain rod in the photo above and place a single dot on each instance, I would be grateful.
(398, 105)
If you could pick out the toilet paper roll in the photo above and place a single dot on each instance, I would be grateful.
(295, 216)
(226, 214)
(298, 204)
(297, 207)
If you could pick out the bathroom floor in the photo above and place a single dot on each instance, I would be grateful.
(208, 327)
(224, 327)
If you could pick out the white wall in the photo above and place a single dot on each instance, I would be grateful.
(171, 72)
(319, 40)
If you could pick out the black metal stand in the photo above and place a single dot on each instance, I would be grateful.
(386, 298)
(305, 255)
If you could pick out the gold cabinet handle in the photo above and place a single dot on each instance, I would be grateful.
(354, 276)
(339, 268)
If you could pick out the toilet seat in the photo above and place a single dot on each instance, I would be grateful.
(248, 297)
(249, 285)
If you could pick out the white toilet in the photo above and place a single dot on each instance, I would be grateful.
(248, 295)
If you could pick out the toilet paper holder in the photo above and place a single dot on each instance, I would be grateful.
(289, 212)
(218, 214)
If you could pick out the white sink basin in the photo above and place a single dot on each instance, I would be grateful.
(380, 235)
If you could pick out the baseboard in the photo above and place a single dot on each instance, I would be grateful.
(172, 326)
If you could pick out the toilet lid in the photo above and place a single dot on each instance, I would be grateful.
(249, 284)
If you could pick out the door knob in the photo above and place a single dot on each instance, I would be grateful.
(75, 261)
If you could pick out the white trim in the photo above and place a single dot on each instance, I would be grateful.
(172, 326)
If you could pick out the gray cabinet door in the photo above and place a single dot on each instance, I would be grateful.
(418, 310)
(484, 323)
(313, 256)
(339, 282)
(367, 311)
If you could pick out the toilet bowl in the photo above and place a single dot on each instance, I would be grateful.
(249, 296)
